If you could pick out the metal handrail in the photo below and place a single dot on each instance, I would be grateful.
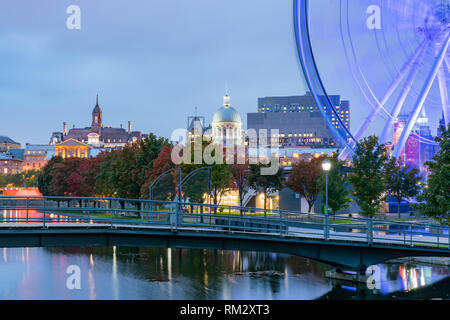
(284, 222)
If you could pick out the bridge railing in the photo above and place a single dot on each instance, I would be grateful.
(174, 215)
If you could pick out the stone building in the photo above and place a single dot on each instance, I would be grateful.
(7, 143)
(98, 135)
(36, 156)
(10, 164)
(72, 148)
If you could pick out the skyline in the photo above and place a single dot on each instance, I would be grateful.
(143, 64)
(52, 71)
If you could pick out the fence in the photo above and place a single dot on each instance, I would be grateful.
(116, 212)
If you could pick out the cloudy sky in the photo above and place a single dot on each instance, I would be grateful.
(152, 61)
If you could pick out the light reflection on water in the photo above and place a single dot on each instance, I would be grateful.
(145, 273)
(24, 216)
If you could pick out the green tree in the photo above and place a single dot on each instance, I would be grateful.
(197, 185)
(30, 178)
(266, 184)
(435, 199)
(338, 186)
(367, 177)
(104, 182)
(305, 179)
(401, 181)
(46, 176)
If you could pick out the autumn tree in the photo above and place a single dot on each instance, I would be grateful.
(149, 149)
(166, 187)
(305, 179)
(47, 174)
(122, 172)
(240, 170)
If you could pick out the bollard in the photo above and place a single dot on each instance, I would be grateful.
(27, 209)
(281, 224)
(326, 231)
(410, 235)
(229, 220)
(43, 225)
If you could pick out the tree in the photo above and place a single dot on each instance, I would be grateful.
(166, 186)
(19, 179)
(123, 172)
(67, 179)
(150, 149)
(104, 180)
(305, 179)
(435, 199)
(47, 175)
(338, 186)
(266, 184)
(30, 178)
(220, 176)
(367, 177)
(240, 172)
(401, 181)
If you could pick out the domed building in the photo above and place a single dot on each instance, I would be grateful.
(227, 125)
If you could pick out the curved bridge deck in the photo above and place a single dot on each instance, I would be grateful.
(344, 242)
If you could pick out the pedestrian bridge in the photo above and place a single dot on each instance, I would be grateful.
(344, 242)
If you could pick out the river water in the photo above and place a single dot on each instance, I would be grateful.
(146, 273)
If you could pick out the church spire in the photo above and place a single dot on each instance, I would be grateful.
(97, 121)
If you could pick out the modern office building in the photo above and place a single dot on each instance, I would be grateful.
(298, 120)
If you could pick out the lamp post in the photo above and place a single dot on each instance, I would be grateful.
(326, 166)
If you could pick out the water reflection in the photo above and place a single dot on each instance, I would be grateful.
(145, 273)
(29, 216)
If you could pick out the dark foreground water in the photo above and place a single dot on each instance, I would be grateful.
(145, 273)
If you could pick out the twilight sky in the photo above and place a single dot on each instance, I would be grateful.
(154, 61)
(150, 61)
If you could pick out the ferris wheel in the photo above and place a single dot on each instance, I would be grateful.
(393, 54)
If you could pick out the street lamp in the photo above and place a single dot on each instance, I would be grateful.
(326, 166)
